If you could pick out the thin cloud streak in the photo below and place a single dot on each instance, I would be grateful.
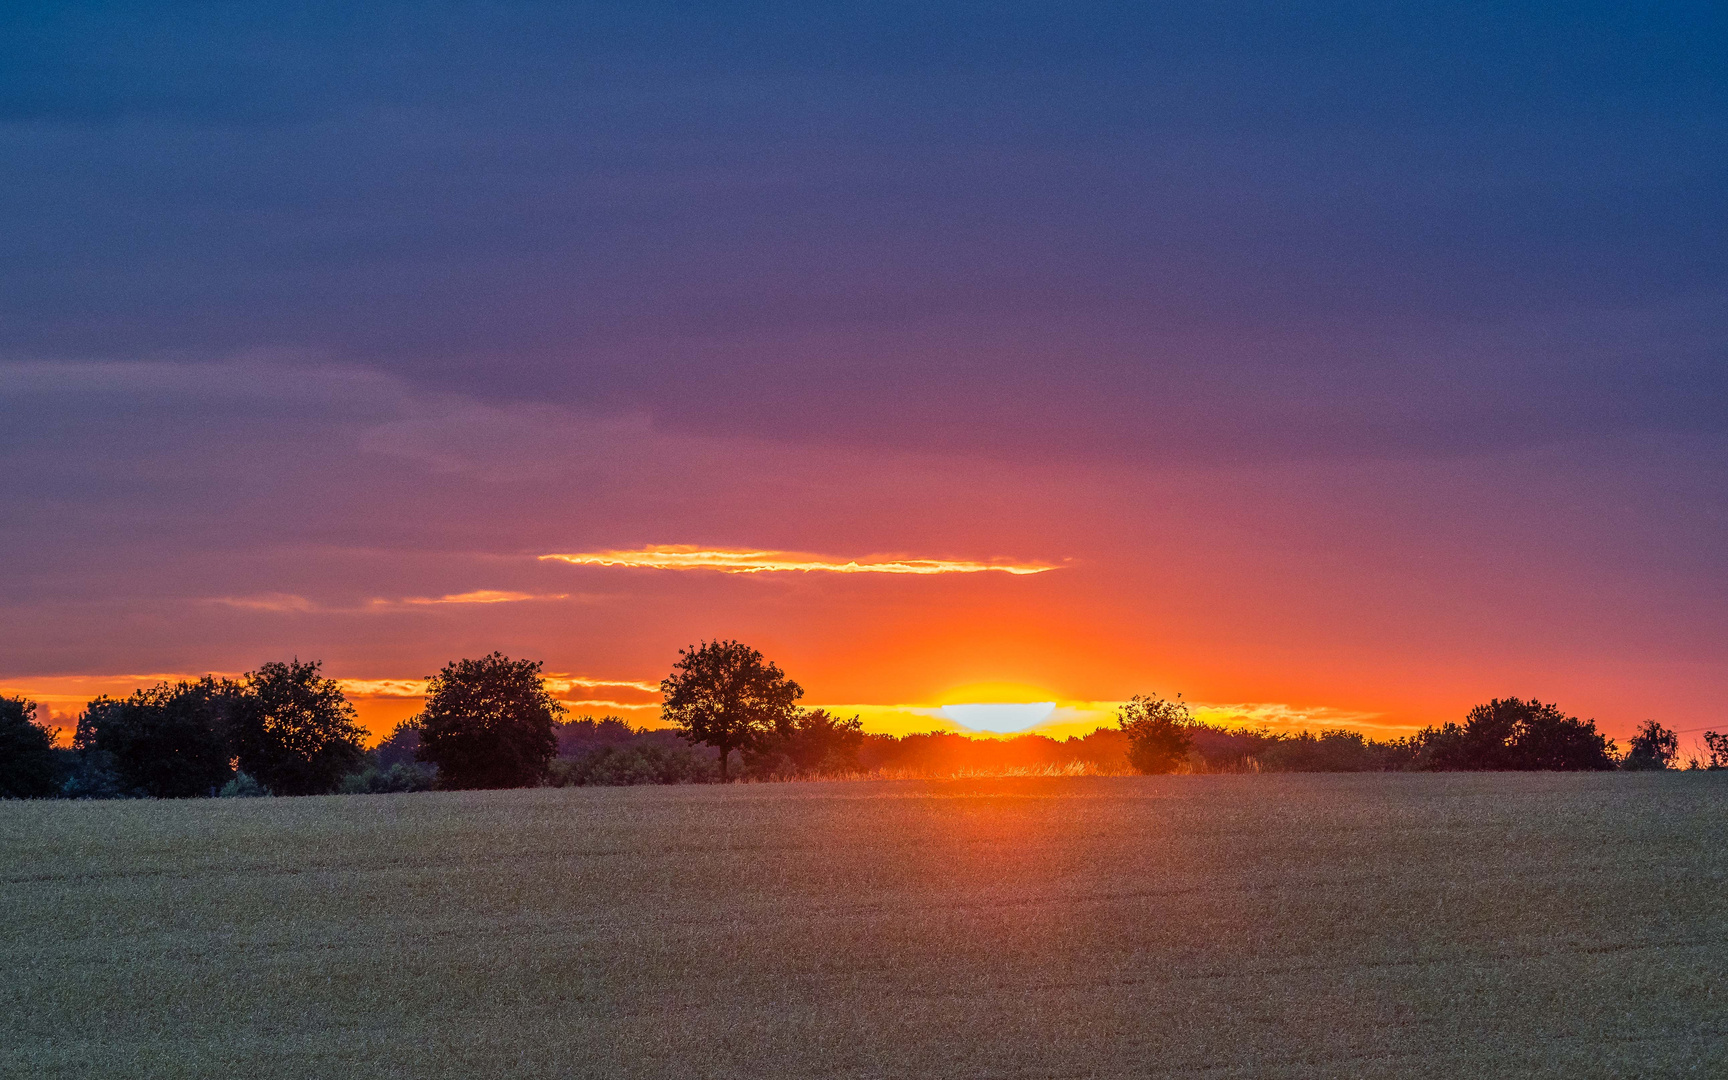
(277, 602)
(563, 684)
(479, 596)
(288, 603)
(745, 561)
(558, 684)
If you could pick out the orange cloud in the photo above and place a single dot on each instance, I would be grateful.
(266, 602)
(741, 561)
(288, 602)
(383, 688)
(479, 596)
(560, 683)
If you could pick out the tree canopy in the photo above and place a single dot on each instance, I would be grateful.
(727, 695)
(1509, 733)
(28, 768)
(164, 742)
(294, 731)
(489, 723)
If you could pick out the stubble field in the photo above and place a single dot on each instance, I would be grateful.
(1219, 926)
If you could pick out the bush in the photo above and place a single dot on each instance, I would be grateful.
(90, 775)
(1329, 751)
(243, 786)
(1158, 732)
(399, 778)
(810, 742)
(641, 764)
(945, 753)
(1653, 747)
(1513, 734)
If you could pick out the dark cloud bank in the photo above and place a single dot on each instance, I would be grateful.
(1192, 230)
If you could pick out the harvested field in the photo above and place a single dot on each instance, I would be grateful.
(1387, 925)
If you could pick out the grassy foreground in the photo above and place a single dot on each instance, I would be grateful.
(1396, 925)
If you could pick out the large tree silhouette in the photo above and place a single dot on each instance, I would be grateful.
(167, 741)
(294, 732)
(489, 723)
(727, 695)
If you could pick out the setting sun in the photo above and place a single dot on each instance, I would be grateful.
(1000, 717)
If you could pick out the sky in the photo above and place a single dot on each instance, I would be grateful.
(1328, 364)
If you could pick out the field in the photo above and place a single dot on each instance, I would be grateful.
(1387, 925)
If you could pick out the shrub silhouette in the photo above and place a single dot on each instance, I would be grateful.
(646, 763)
(243, 786)
(1652, 747)
(1328, 751)
(809, 742)
(1158, 732)
(402, 776)
(489, 723)
(1513, 734)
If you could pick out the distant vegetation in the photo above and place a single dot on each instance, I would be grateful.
(491, 723)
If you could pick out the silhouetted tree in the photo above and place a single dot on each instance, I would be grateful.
(1157, 729)
(727, 695)
(1653, 747)
(1513, 734)
(165, 742)
(489, 723)
(294, 731)
(1717, 744)
(29, 768)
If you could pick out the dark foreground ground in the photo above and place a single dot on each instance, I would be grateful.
(1219, 926)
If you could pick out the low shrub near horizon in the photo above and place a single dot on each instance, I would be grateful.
(648, 763)
(400, 777)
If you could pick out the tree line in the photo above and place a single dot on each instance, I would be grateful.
(285, 729)
(1506, 734)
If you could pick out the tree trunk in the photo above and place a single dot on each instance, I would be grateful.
(725, 752)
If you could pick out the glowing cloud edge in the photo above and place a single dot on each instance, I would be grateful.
(742, 561)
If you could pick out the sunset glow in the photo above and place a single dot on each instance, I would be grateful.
(1023, 355)
(745, 561)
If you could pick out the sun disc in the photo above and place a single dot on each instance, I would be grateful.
(999, 717)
